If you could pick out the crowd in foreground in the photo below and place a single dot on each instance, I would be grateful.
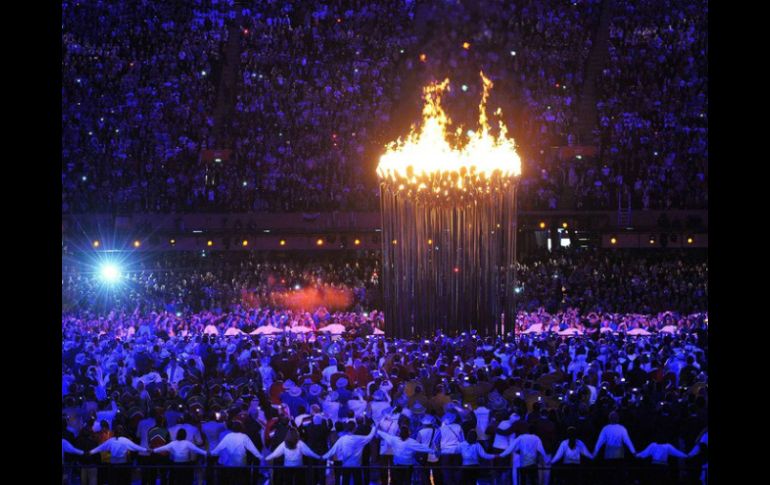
(446, 408)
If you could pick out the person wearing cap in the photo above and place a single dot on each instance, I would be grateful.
(380, 402)
(293, 397)
(181, 451)
(292, 449)
(451, 435)
(341, 386)
(389, 423)
(331, 406)
(357, 404)
(314, 394)
(428, 435)
(231, 451)
(417, 412)
(317, 438)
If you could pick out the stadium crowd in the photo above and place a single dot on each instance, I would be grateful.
(442, 402)
(322, 86)
(583, 280)
(653, 108)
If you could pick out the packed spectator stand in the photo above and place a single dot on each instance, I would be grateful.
(322, 86)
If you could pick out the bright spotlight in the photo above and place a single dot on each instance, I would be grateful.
(110, 273)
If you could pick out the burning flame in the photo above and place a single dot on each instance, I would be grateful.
(425, 160)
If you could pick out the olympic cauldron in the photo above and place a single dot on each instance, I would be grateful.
(449, 225)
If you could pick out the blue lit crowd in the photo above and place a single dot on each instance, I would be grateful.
(319, 88)
(290, 384)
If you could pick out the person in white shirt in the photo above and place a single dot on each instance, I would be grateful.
(292, 449)
(613, 436)
(428, 435)
(482, 420)
(451, 435)
(119, 447)
(67, 447)
(268, 374)
(231, 451)
(504, 435)
(404, 449)
(349, 450)
(660, 452)
(570, 451)
(529, 447)
(389, 424)
(329, 371)
(471, 450)
(379, 404)
(181, 451)
(331, 406)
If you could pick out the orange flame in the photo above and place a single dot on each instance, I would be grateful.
(425, 160)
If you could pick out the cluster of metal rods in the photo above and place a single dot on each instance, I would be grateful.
(448, 267)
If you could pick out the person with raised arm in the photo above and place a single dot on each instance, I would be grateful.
(404, 449)
(349, 449)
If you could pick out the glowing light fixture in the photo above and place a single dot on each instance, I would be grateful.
(109, 273)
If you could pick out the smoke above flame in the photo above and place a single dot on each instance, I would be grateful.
(425, 163)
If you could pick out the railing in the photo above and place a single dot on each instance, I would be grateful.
(625, 473)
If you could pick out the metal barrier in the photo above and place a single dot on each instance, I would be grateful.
(625, 473)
